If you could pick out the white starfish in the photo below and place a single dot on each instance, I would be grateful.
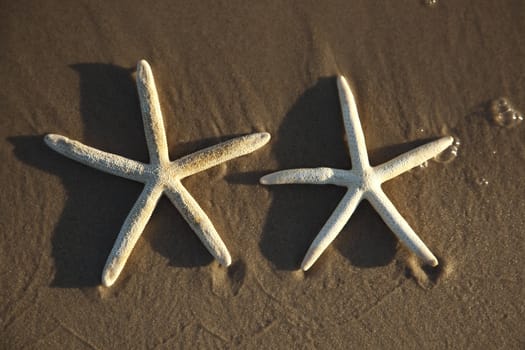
(160, 176)
(363, 182)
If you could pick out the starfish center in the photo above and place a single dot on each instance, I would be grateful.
(368, 180)
(162, 175)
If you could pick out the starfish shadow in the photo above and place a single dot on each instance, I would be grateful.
(312, 135)
(97, 203)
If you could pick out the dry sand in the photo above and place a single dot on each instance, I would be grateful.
(226, 69)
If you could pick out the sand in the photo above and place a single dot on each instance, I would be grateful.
(225, 69)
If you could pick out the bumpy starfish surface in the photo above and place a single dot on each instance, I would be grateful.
(363, 182)
(160, 176)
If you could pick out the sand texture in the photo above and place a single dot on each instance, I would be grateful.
(225, 69)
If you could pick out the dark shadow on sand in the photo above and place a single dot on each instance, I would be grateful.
(312, 135)
(98, 203)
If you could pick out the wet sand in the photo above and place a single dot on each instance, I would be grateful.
(229, 69)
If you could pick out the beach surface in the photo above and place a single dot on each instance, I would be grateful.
(229, 68)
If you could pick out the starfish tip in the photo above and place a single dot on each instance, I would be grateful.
(264, 180)
(341, 80)
(52, 139)
(107, 278)
(143, 67)
(106, 282)
(306, 264)
(265, 136)
(226, 261)
(259, 139)
(444, 142)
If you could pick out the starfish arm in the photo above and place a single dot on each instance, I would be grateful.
(353, 128)
(199, 222)
(216, 154)
(103, 161)
(395, 221)
(151, 114)
(413, 158)
(316, 176)
(333, 226)
(130, 232)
